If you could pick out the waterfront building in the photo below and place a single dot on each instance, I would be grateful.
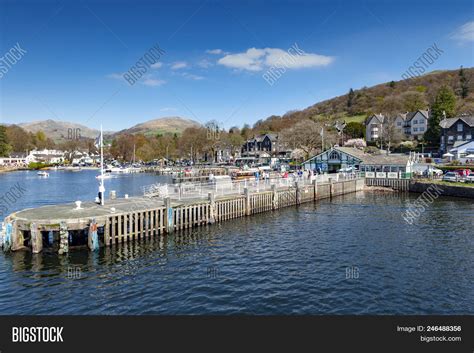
(337, 158)
(461, 149)
(44, 156)
(17, 159)
(456, 131)
(265, 149)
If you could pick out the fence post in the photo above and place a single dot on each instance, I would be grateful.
(330, 188)
(36, 239)
(274, 197)
(169, 216)
(298, 192)
(212, 208)
(315, 189)
(247, 202)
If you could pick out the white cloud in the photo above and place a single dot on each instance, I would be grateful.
(192, 76)
(153, 82)
(215, 51)
(179, 65)
(465, 33)
(251, 60)
(156, 65)
(204, 63)
(257, 59)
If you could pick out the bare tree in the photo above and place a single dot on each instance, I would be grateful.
(306, 135)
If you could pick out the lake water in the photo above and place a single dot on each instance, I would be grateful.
(350, 255)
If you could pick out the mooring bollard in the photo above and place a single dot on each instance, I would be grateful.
(112, 194)
(93, 238)
(36, 239)
(212, 208)
(63, 239)
(169, 216)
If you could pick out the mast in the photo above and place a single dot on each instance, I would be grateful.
(102, 188)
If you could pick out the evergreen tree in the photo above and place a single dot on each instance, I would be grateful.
(464, 83)
(350, 98)
(445, 103)
(5, 148)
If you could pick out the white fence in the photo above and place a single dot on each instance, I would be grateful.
(224, 187)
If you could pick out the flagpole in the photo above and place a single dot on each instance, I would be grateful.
(102, 188)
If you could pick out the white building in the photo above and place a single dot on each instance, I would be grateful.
(412, 124)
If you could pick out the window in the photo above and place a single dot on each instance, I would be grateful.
(399, 123)
(415, 129)
(459, 137)
(415, 121)
(460, 127)
(335, 155)
(450, 138)
(468, 137)
(422, 129)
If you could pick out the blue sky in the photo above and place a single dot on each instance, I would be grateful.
(216, 53)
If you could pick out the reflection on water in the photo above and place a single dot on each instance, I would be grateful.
(292, 261)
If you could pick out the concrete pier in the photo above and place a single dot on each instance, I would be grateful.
(125, 220)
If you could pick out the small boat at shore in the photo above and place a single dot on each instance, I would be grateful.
(43, 174)
(105, 176)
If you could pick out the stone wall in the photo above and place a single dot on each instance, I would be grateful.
(447, 190)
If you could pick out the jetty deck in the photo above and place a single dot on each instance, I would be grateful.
(59, 227)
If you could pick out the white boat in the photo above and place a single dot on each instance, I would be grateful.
(105, 176)
(43, 174)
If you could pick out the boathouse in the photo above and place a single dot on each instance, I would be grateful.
(337, 158)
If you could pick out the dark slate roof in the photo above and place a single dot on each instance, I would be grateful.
(371, 159)
(405, 116)
(272, 137)
(18, 155)
(375, 159)
(447, 123)
(410, 115)
(379, 117)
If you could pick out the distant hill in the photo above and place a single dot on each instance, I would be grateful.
(59, 131)
(161, 126)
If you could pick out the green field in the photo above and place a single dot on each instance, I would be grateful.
(355, 118)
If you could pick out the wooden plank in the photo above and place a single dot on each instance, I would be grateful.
(107, 232)
(114, 230)
(126, 222)
(147, 220)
